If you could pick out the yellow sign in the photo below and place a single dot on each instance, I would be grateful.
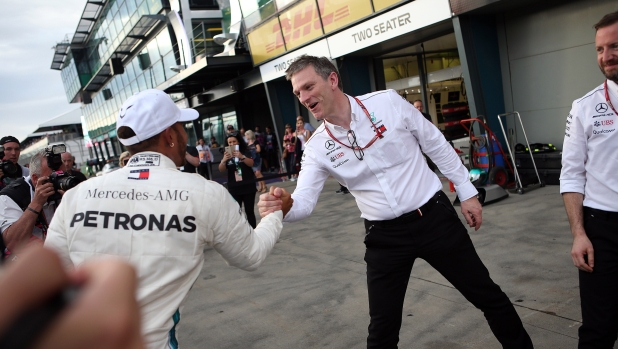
(337, 13)
(300, 24)
(303, 23)
(266, 41)
(381, 4)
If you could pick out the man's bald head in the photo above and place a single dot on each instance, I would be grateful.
(68, 160)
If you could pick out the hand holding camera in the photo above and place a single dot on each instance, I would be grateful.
(44, 188)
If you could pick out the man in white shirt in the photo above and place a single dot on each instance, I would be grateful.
(156, 217)
(589, 188)
(372, 145)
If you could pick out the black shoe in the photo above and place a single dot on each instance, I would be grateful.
(343, 191)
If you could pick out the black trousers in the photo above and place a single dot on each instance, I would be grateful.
(290, 164)
(204, 170)
(599, 290)
(438, 237)
(248, 200)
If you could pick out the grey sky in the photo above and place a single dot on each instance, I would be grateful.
(30, 92)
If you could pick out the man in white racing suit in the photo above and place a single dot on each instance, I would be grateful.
(156, 217)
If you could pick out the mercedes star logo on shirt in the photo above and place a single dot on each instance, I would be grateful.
(601, 108)
(330, 144)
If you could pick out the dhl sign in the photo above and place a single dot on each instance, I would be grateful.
(303, 23)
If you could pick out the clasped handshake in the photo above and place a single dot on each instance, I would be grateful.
(276, 199)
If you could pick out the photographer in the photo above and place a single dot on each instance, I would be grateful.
(9, 155)
(25, 211)
(27, 204)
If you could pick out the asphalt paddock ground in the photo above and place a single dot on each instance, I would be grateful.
(311, 291)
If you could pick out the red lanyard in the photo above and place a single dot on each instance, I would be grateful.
(607, 99)
(378, 130)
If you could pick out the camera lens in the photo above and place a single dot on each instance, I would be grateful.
(8, 168)
(68, 182)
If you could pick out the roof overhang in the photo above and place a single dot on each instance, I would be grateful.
(61, 50)
(206, 73)
(139, 35)
(91, 13)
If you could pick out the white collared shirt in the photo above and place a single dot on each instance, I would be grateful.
(393, 177)
(589, 163)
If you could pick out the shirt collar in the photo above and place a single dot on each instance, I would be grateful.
(613, 88)
(354, 106)
(354, 116)
(144, 159)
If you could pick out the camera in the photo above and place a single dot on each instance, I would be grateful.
(60, 180)
(9, 169)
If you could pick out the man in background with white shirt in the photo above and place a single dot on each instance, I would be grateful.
(205, 159)
(589, 188)
(372, 145)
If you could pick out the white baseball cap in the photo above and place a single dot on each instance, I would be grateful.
(149, 113)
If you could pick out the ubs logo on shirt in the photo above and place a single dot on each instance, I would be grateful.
(335, 157)
(603, 123)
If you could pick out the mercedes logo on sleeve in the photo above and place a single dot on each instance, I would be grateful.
(601, 108)
(330, 144)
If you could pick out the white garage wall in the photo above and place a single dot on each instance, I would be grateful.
(548, 60)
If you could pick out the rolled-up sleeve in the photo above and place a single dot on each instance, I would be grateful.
(308, 188)
(434, 144)
(9, 212)
(574, 154)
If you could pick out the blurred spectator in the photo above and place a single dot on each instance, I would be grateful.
(302, 136)
(12, 150)
(205, 156)
(68, 161)
(240, 176)
(192, 160)
(418, 104)
(124, 159)
(242, 133)
(289, 151)
(255, 149)
(105, 315)
(230, 129)
(306, 125)
(213, 142)
(271, 159)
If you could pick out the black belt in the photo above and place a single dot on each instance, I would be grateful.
(606, 215)
(412, 215)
